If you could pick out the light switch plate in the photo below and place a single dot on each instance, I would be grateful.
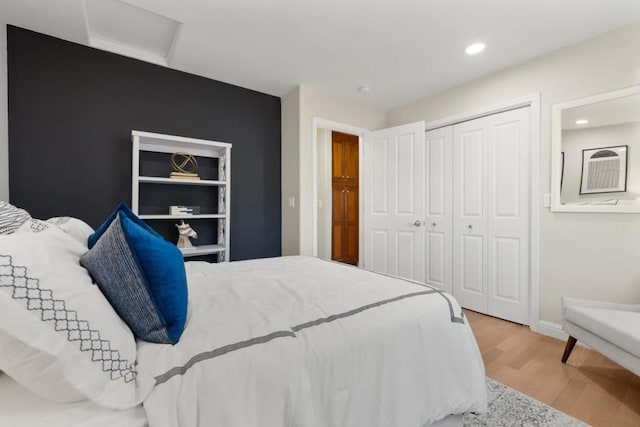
(547, 200)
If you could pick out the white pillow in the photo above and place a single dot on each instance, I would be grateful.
(38, 372)
(76, 228)
(11, 218)
(66, 326)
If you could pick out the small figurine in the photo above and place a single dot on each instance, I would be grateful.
(185, 232)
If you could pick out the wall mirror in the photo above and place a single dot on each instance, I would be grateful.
(596, 153)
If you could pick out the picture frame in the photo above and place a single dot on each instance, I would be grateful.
(562, 170)
(604, 170)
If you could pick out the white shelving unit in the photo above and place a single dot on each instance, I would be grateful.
(157, 180)
(160, 143)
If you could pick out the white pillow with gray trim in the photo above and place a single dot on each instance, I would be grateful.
(64, 323)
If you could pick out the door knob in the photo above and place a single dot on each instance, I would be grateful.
(434, 224)
(470, 227)
(418, 223)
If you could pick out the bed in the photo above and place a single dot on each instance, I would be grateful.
(289, 341)
(21, 408)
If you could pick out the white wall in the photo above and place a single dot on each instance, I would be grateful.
(313, 104)
(4, 117)
(586, 255)
(576, 140)
(325, 196)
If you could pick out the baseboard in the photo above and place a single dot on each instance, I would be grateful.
(554, 330)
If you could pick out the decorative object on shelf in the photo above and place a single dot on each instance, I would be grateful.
(604, 170)
(184, 233)
(184, 210)
(185, 166)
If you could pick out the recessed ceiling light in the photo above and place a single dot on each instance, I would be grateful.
(364, 89)
(474, 49)
(582, 121)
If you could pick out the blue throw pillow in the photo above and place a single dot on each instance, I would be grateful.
(122, 207)
(143, 277)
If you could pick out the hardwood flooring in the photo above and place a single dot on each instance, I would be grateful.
(589, 387)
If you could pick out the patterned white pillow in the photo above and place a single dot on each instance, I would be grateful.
(11, 217)
(49, 304)
(75, 227)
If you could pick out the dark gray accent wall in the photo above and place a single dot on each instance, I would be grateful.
(71, 112)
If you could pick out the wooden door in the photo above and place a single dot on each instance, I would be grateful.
(337, 155)
(352, 240)
(394, 195)
(338, 229)
(351, 161)
(345, 201)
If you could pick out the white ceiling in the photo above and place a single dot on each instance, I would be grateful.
(403, 49)
(116, 26)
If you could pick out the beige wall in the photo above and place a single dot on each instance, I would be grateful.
(325, 196)
(290, 109)
(585, 255)
(313, 104)
(4, 117)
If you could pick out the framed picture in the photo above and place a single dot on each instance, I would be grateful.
(604, 170)
(562, 171)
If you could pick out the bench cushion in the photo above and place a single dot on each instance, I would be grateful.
(620, 328)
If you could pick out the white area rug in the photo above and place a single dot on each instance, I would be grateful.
(510, 408)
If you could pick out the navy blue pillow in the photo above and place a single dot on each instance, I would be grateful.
(144, 279)
(122, 207)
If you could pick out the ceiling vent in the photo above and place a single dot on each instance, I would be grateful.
(128, 30)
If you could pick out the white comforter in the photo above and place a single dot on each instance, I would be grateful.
(298, 341)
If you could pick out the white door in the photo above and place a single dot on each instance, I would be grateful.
(394, 201)
(491, 214)
(438, 209)
(508, 215)
(470, 214)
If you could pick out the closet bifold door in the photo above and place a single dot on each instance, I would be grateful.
(438, 208)
(470, 214)
(508, 215)
(491, 214)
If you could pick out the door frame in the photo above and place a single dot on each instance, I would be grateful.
(532, 101)
(319, 123)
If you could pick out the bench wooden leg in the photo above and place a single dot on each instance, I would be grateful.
(571, 342)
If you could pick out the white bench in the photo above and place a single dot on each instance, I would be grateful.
(609, 328)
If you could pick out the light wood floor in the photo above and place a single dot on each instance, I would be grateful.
(589, 387)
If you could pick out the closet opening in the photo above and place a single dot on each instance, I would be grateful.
(337, 150)
(345, 188)
(338, 196)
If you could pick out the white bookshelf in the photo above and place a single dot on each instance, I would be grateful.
(160, 143)
(203, 250)
(180, 217)
(172, 181)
